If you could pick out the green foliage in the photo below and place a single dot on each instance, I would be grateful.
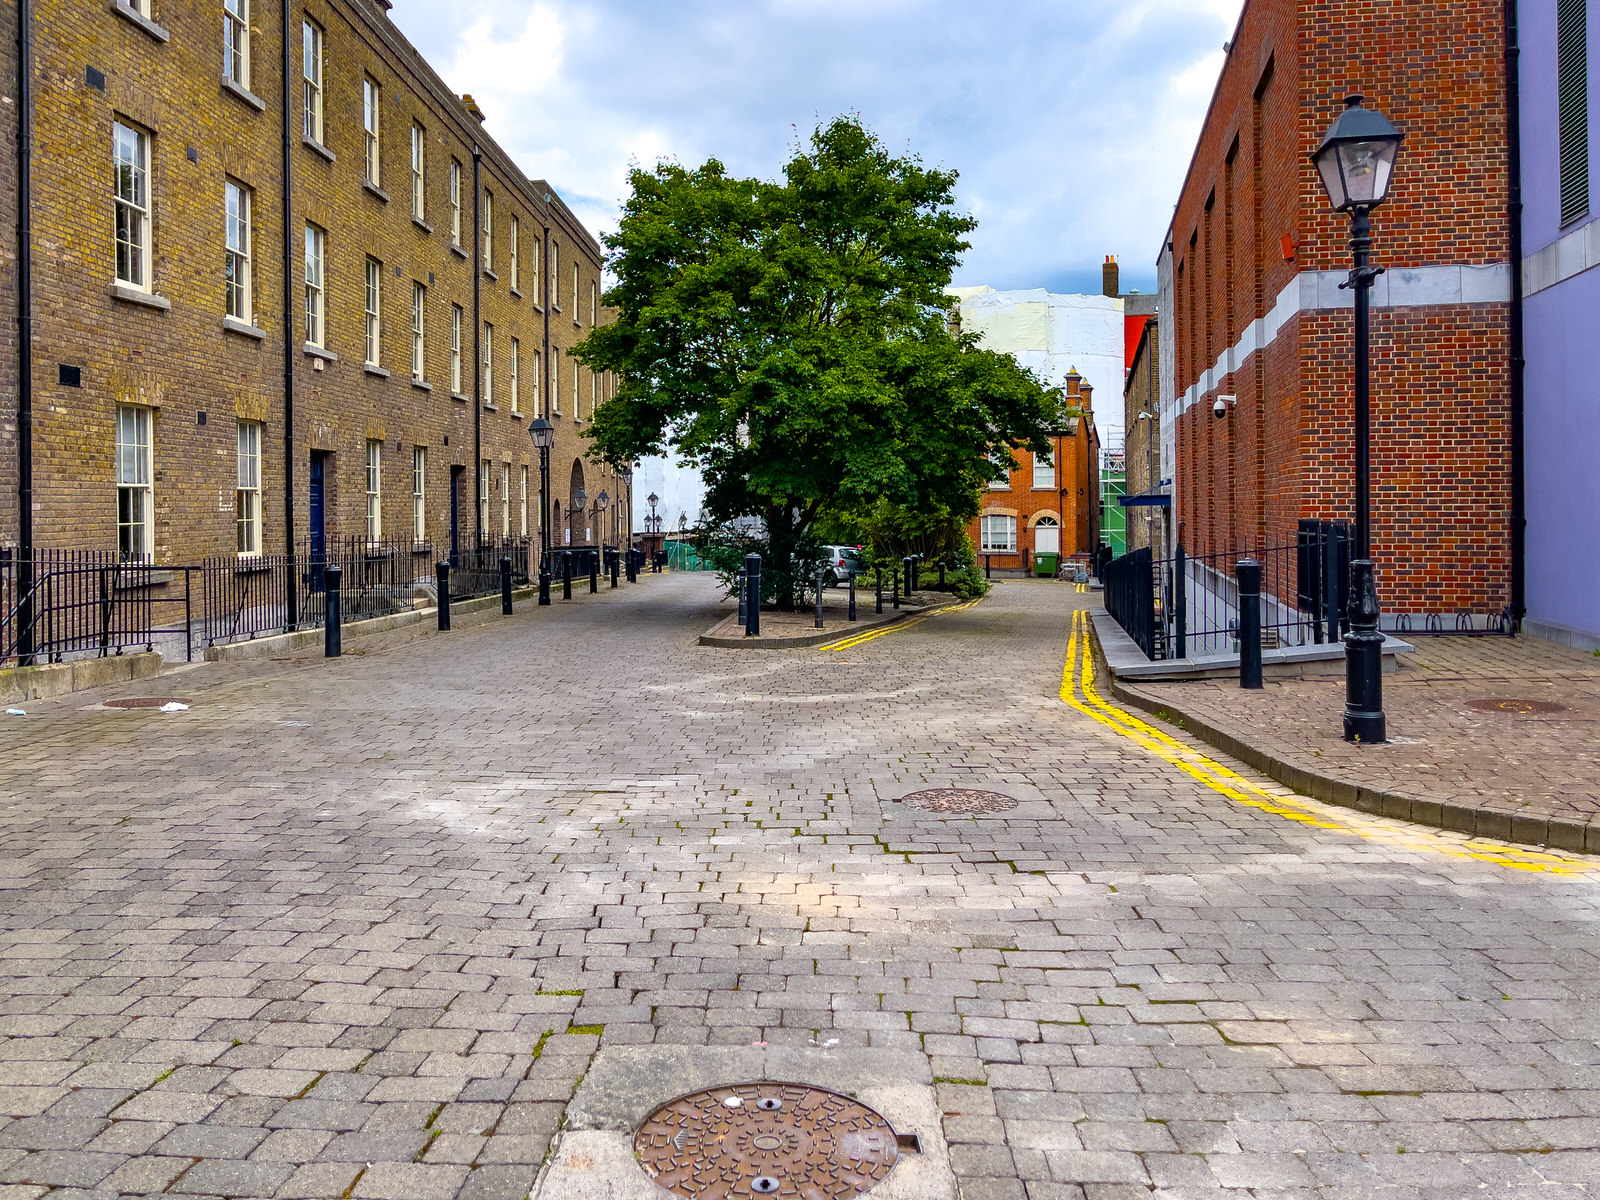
(789, 338)
(725, 548)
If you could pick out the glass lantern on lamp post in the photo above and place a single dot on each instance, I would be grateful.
(1356, 163)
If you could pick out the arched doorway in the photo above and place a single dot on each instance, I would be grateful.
(577, 506)
(1047, 536)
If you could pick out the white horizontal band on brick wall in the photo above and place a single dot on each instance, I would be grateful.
(1317, 291)
(1569, 255)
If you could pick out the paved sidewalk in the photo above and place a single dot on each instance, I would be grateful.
(360, 928)
(1494, 736)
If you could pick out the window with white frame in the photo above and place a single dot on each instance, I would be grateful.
(577, 313)
(236, 239)
(594, 303)
(316, 256)
(488, 363)
(455, 203)
(419, 310)
(538, 363)
(488, 230)
(311, 73)
(133, 484)
(522, 502)
(374, 490)
(1003, 484)
(505, 500)
(419, 172)
(419, 484)
(131, 161)
(533, 263)
(144, 8)
(456, 316)
(594, 393)
(516, 253)
(998, 534)
(236, 41)
(555, 276)
(374, 312)
(555, 379)
(247, 491)
(371, 105)
(1044, 473)
(483, 494)
(516, 383)
(577, 413)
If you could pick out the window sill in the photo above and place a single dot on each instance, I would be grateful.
(374, 190)
(421, 224)
(375, 369)
(490, 406)
(133, 295)
(129, 13)
(312, 144)
(312, 351)
(251, 564)
(490, 273)
(242, 328)
(516, 292)
(459, 398)
(455, 248)
(422, 385)
(517, 414)
(138, 576)
(243, 94)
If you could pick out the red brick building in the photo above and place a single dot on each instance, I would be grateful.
(1047, 504)
(1259, 317)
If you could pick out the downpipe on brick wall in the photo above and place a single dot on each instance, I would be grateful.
(25, 641)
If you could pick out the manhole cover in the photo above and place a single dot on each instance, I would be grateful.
(1506, 704)
(144, 702)
(959, 800)
(766, 1139)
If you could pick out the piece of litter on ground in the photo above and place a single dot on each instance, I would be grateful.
(296, 724)
(830, 1042)
(174, 706)
(15, 712)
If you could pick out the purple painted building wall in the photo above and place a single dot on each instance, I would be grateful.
(1561, 282)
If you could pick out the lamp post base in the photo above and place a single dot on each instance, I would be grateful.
(1364, 720)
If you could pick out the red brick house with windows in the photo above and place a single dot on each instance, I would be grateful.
(1047, 504)
(1259, 318)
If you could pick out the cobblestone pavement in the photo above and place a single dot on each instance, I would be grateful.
(1453, 736)
(356, 928)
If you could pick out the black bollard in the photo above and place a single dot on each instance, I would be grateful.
(332, 639)
(905, 576)
(566, 576)
(941, 576)
(877, 585)
(897, 589)
(852, 595)
(544, 583)
(743, 596)
(752, 616)
(614, 565)
(442, 582)
(988, 562)
(819, 599)
(916, 574)
(594, 573)
(1248, 572)
(505, 585)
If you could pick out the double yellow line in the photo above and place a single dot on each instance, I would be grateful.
(856, 639)
(1078, 690)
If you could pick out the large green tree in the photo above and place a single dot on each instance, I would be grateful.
(791, 339)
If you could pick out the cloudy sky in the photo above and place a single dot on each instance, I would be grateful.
(1070, 121)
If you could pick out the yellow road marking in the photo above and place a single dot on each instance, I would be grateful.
(1078, 691)
(855, 639)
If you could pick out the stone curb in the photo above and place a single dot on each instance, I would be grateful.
(18, 685)
(815, 639)
(1551, 833)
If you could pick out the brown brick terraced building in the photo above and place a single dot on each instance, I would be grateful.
(259, 313)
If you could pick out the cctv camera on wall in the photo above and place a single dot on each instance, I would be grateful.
(1221, 405)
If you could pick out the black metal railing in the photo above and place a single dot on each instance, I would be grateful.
(475, 570)
(1130, 597)
(75, 603)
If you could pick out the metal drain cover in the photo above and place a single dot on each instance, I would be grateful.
(145, 702)
(1521, 708)
(766, 1139)
(959, 800)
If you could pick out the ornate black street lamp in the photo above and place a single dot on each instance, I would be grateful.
(1356, 162)
(544, 436)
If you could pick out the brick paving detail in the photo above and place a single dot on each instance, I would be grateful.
(357, 928)
(1528, 765)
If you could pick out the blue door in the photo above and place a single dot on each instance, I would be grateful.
(457, 475)
(319, 537)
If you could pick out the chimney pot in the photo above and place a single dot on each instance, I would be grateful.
(1111, 277)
